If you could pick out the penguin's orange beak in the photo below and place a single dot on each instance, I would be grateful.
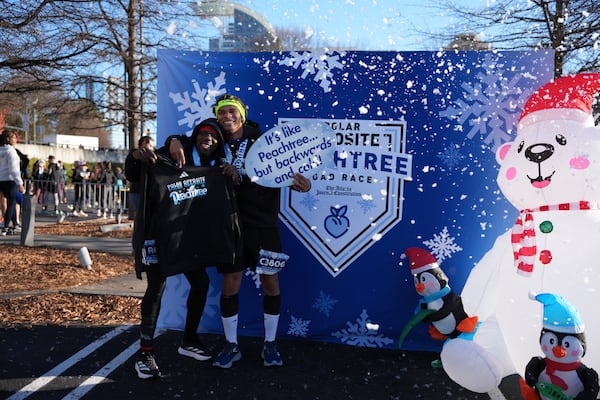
(559, 351)
(420, 287)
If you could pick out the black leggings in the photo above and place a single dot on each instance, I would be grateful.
(150, 307)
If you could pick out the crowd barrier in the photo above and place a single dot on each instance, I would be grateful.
(79, 199)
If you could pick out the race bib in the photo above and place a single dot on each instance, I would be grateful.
(149, 253)
(270, 262)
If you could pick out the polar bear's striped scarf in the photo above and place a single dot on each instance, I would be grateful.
(523, 233)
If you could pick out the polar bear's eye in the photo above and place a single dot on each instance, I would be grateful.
(560, 139)
(520, 147)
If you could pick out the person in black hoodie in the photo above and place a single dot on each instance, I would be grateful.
(259, 212)
(162, 247)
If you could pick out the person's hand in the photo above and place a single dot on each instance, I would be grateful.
(301, 183)
(21, 188)
(176, 152)
(145, 154)
(231, 171)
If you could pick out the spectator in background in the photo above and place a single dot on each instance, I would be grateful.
(80, 179)
(10, 178)
(62, 182)
(107, 181)
(40, 178)
(54, 178)
(145, 146)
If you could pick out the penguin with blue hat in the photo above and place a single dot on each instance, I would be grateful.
(560, 374)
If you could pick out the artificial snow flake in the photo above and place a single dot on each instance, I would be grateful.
(298, 327)
(488, 107)
(442, 246)
(255, 277)
(318, 64)
(451, 156)
(324, 303)
(197, 106)
(359, 334)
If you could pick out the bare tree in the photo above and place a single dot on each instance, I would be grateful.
(569, 27)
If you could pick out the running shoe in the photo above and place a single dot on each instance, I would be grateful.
(230, 354)
(270, 355)
(145, 365)
(196, 350)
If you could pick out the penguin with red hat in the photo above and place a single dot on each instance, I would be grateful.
(448, 318)
(560, 374)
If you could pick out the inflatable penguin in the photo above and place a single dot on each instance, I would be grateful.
(448, 318)
(550, 173)
(560, 374)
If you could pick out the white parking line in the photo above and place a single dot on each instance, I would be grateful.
(43, 380)
(102, 373)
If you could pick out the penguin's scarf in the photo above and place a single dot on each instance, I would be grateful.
(523, 233)
(435, 296)
(553, 366)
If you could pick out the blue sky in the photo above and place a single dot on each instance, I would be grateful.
(363, 24)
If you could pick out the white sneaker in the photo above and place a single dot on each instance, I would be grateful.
(99, 213)
(82, 214)
(76, 213)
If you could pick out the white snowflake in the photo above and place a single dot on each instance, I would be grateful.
(442, 246)
(360, 335)
(255, 277)
(298, 327)
(197, 106)
(324, 303)
(318, 64)
(451, 157)
(489, 105)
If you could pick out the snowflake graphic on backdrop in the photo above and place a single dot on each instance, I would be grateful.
(309, 201)
(451, 157)
(359, 334)
(197, 106)
(488, 106)
(298, 327)
(320, 65)
(324, 303)
(366, 205)
(442, 245)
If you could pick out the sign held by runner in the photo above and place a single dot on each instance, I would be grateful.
(302, 146)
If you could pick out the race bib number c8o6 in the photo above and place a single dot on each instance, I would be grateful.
(270, 262)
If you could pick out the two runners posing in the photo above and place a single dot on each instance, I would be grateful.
(258, 214)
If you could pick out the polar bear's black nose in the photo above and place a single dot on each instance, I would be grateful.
(539, 152)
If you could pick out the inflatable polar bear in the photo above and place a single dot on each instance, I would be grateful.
(551, 174)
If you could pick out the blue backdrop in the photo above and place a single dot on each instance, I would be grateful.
(439, 114)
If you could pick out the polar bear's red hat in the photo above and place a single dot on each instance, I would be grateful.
(573, 94)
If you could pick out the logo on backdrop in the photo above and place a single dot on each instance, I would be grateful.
(357, 198)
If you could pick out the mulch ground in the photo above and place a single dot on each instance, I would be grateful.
(35, 280)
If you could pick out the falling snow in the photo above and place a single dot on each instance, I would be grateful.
(442, 245)
(359, 334)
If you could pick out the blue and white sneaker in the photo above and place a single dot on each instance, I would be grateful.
(230, 354)
(270, 355)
